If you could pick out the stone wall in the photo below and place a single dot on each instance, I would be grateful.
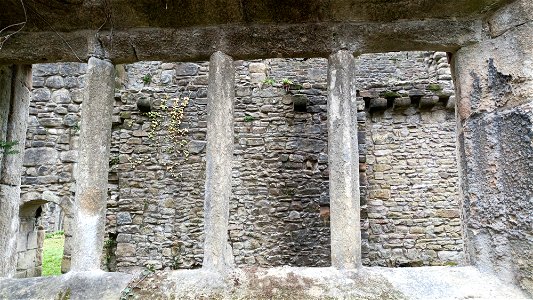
(52, 136)
(280, 177)
(51, 144)
(280, 205)
(29, 247)
(155, 215)
(412, 210)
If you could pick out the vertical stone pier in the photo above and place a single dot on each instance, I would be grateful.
(218, 255)
(15, 90)
(343, 159)
(494, 82)
(92, 169)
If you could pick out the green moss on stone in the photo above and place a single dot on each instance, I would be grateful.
(434, 87)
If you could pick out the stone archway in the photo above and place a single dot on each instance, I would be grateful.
(31, 234)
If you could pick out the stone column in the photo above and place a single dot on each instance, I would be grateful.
(15, 90)
(218, 255)
(343, 160)
(92, 168)
(494, 88)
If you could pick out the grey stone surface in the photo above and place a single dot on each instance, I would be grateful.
(83, 285)
(18, 99)
(343, 160)
(413, 197)
(9, 223)
(186, 69)
(93, 167)
(61, 95)
(40, 156)
(6, 73)
(493, 100)
(276, 283)
(252, 41)
(16, 125)
(55, 82)
(495, 152)
(218, 254)
(51, 143)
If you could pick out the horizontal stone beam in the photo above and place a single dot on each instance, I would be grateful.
(240, 41)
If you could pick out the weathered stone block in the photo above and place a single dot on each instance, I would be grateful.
(196, 147)
(61, 96)
(186, 69)
(40, 156)
(45, 69)
(123, 218)
(41, 95)
(69, 156)
(448, 213)
(55, 82)
(257, 68)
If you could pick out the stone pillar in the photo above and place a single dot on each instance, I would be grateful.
(218, 255)
(41, 233)
(494, 83)
(343, 160)
(15, 90)
(92, 169)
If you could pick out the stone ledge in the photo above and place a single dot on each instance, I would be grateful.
(85, 285)
(274, 283)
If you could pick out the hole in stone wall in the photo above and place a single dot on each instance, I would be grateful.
(299, 103)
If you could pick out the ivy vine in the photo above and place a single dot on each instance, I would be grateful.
(166, 134)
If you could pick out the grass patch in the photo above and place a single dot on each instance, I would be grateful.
(53, 253)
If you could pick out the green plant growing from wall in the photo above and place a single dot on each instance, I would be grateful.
(269, 81)
(109, 245)
(248, 118)
(76, 127)
(147, 79)
(113, 161)
(7, 147)
(286, 83)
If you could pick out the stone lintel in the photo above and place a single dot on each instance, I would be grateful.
(252, 41)
(343, 162)
(219, 155)
(93, 163)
